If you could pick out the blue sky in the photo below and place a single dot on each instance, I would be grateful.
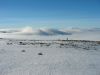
(49, 13)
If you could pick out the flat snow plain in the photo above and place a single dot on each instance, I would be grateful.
(18, 59)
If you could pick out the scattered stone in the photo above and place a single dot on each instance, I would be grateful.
(23, 51)
(40, 53)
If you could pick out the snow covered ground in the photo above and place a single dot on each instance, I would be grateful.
(23, 57)
(30, 51)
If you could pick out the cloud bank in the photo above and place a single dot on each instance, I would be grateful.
(30, 31)
(46, 31)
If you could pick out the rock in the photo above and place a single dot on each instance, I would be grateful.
(40, 53)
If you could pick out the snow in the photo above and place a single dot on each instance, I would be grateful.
(57, 59)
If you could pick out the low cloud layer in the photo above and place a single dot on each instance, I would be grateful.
(31, 31)
(45, 31)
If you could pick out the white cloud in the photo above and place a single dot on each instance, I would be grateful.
(45, 31)
(27, 30)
